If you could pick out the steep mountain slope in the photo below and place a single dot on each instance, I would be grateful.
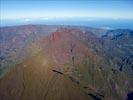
(119, 44)
(15, 42)
(34, 79)
(70, 63)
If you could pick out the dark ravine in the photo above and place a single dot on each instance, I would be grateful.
(126, 61)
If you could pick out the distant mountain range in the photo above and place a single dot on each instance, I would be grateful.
(105, 23)
(57, 62)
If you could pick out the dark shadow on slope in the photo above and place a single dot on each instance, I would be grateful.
(94, 97)
(74, 80)
(130, 96)
(57, 72)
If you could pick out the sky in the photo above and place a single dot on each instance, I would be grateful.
(33, 9)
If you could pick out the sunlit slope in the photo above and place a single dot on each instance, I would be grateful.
(34, 79)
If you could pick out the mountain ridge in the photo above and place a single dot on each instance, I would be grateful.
(66, 63)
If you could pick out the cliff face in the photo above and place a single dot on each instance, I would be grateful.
(68, 63)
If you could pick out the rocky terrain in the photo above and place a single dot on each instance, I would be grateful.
(42, 62)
